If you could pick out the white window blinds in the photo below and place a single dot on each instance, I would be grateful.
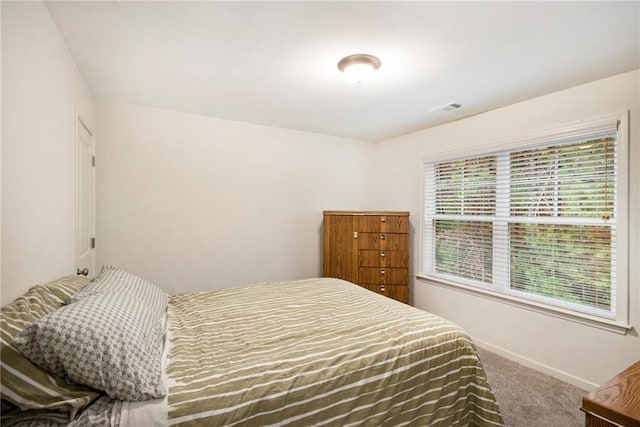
(538, 223)
(570, 180)
(466, 187)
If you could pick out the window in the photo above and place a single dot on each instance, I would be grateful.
(540, 222)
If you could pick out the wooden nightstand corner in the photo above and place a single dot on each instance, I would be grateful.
(616, 402)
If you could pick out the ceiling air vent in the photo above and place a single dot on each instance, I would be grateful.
(447, 108)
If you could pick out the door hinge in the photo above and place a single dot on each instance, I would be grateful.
(93, 243)
(93, 161)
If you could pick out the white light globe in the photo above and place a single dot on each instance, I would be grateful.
(359, 73)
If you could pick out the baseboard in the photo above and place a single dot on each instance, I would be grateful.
(530, 363)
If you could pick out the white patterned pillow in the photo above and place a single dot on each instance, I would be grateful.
(107, 341)
(112, 279)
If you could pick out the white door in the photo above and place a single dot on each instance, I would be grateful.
(85, 200)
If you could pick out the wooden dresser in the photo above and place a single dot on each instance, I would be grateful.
(615, 403)
(370, 249)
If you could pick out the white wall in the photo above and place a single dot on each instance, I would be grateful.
(195, 203)
(581, 354)
(40, 88)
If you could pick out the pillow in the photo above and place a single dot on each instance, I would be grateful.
(106, 340)
(112, 279)
(22, 383)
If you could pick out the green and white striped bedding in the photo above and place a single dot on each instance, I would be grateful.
(319, 352)
(310, 352)
(24, 384)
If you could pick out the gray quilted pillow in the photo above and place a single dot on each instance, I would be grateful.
(108, 341)
(112, 279)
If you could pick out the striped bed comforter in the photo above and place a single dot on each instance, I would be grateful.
(319, 352)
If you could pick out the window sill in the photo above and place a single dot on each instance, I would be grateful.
(582, 318)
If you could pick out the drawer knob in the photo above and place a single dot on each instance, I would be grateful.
(382, 254)
(382, 271)
(383, 219)
(382, 237)
(355, 234)
(382, 288)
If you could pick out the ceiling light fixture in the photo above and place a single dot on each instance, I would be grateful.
(359, 68)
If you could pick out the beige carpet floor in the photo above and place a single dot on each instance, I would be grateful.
(528, 398)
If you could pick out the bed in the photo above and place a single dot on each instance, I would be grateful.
(307, 352)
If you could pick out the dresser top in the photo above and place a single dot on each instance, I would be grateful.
(364, 213)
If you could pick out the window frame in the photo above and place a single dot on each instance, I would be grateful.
(549, 136)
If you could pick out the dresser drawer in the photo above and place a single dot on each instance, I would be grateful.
(383, 224)
(593, 421)
(369, 258)
(399, 293)
(383, 241)
(383, 276)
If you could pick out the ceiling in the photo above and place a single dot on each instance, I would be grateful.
(274, 63)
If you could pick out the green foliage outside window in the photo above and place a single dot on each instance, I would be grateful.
(567, 262)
